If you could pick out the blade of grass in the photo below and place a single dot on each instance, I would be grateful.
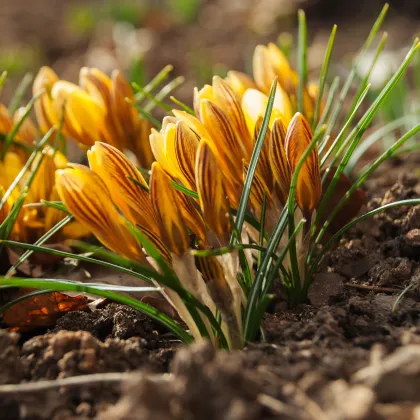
(28, 164)
(20, 92)
(185, 190)
(373, 138)
(155, 82)
(11, 136)
(186, 108)
(156, 123)
(243, 203)
(328, 105)
(164, 92)
(346, 88)
(372, 167)
(2, 79)
(355, 136)
(342, 133)
(44, 238)
(323, 75)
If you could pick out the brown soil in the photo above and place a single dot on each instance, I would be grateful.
(350, 354)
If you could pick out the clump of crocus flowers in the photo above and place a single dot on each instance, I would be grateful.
(208, 153)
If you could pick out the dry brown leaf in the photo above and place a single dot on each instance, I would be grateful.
(41, 310)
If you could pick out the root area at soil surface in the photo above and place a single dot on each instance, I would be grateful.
(352, 353)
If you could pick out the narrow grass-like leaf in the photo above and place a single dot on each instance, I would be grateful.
(28, 164)
(156, 123)
(371, 167)
(373, 138)
(20, 91)
(302, 60)
(153, 98)
(346, 88)
(3, 77)
(155, 82)
(359, 130)
(69, 286)
(366, 78)
(243, 203)
(185, 190)
(186, 108)
(328, 105)
(44, 238)
(139, 184)
(323, 76)
(262, 225)
(338, 141)
(164, 92)
(255, 293)
(11, 136)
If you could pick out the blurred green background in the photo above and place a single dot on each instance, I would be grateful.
(199, 37)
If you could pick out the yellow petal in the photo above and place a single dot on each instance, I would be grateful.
(125, 115)
(173, 228)
(45, 114)
(213, 202)
(186, 145)
(115, 170)
(254, 104)
(308, 188)
(6, 122)
(192, 122)
(88, 200)
(83, 116)
(278, 160)
(225, 98)
(239, 83)
(258, 190)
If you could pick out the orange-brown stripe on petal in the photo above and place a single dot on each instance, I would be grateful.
(278, 161)
(186, 145)
(239, 83)
(258, 189)
(263, 167)
(225, 98)
(115, 170)
(88, 200)
(212, 196)
(308, 188)
(173, 227)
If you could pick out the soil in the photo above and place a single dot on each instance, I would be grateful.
(352, 353)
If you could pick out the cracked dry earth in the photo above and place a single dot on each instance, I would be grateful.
(353, 353)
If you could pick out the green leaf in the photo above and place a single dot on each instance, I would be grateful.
(20, 91)
(323, 76)
(243, 203)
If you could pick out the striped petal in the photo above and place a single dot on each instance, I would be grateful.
(115, 170)
(213, 202)
(278, 160)
(308, 188)
(44, 111)
(186, 145)
(226, 99)
(239, 83)
(88, 200)
(83, 116)
(173, 228)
